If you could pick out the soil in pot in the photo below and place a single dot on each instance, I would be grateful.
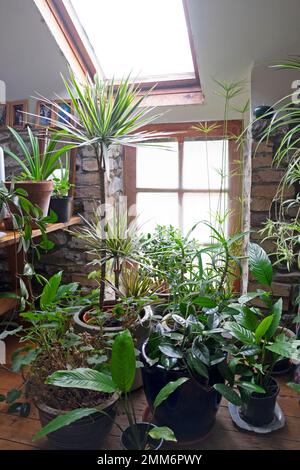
(38, 192)
(259, 411)
(83, 322)
(63, 208)
(128, 442)
(191, 410)
(86, 433)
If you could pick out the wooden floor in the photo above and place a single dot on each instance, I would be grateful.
(16, 432)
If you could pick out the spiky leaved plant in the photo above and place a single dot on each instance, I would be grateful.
(104, 113)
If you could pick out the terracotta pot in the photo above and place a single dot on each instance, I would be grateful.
(38, 193)
(140, 332)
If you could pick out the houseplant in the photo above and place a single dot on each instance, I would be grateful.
(105, 114)
(188, 341)
(119, 379)
(50, 344)
(37, 166)
(257, 343)
(61, 203)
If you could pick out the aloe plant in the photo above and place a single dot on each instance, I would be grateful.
(38, 165)
(119, 380)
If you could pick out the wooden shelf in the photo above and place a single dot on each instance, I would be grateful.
(11, 237)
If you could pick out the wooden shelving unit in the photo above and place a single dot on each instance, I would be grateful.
(10, 239)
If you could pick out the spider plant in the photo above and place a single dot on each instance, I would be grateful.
(284, 231)
(38, 165)
(105, 113)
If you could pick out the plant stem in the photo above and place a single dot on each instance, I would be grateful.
(99, 154)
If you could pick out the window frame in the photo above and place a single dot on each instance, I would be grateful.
(180, 131)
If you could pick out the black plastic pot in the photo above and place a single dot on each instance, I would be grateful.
(191, 410)
(259, 411)
(63, 208)
(127, 440)
(86, 433)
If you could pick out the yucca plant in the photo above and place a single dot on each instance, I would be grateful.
(105, 113)
(38, 165)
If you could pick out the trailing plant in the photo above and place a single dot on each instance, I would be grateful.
(118, 379)
(38, 165)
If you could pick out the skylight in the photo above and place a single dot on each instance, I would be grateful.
(140, 37)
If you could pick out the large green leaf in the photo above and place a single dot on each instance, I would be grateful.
(64, 420)
(286, 348)
(240, 333)
(248, 297)
(229, 394)
(277, 312)
(201, 351)
(263, 327)
(162, 432)
(251, 387)
(204, 302)
(123, 361)
(85, 378)
(196, 365)
(259, 264)
(167, 390)
(170, 351)
(50, 290)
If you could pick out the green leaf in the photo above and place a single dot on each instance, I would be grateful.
(263, 327)
(240, 333)
(50, 290)
(204, 302)
(286, 348)
(6, 333)
(201, 351)
(162, 432)
(13, 395)
(249, 319)
(248, 297)
(123, 361)
(20, 360)
(25, 410)
(167, 390)
(229, 394)
(64, 420)
(259, 264)
(170, 351)
(84, 378)
(251, 387)
(196, 365)
(15, 408)
(295, 387)
(277, 312)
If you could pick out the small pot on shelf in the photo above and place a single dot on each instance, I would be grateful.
(38, 193)
(128, 441)
(259, 410)
(63, 207)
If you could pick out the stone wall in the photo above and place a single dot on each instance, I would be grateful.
(265, 180)
(68, 254)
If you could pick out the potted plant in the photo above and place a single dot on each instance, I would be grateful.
(119, 379)
(188, 341)
(37, 166)
(50, 345)
(61, 203)
(257, 343)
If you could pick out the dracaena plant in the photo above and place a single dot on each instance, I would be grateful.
(257, 341)
(105, 114)
(37, 164)
(118, 379)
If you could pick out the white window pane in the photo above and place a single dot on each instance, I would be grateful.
(202, 164)
(144, 38)
(201, 207)
(156, 208)
(157, 167)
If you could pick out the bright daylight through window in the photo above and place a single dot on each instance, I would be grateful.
(144, 45)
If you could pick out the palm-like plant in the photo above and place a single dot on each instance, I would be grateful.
(38, 165)
(105, 114)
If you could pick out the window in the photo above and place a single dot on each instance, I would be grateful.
(190, 182)
(129, 39)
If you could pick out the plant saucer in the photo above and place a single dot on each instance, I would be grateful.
(277, 423)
